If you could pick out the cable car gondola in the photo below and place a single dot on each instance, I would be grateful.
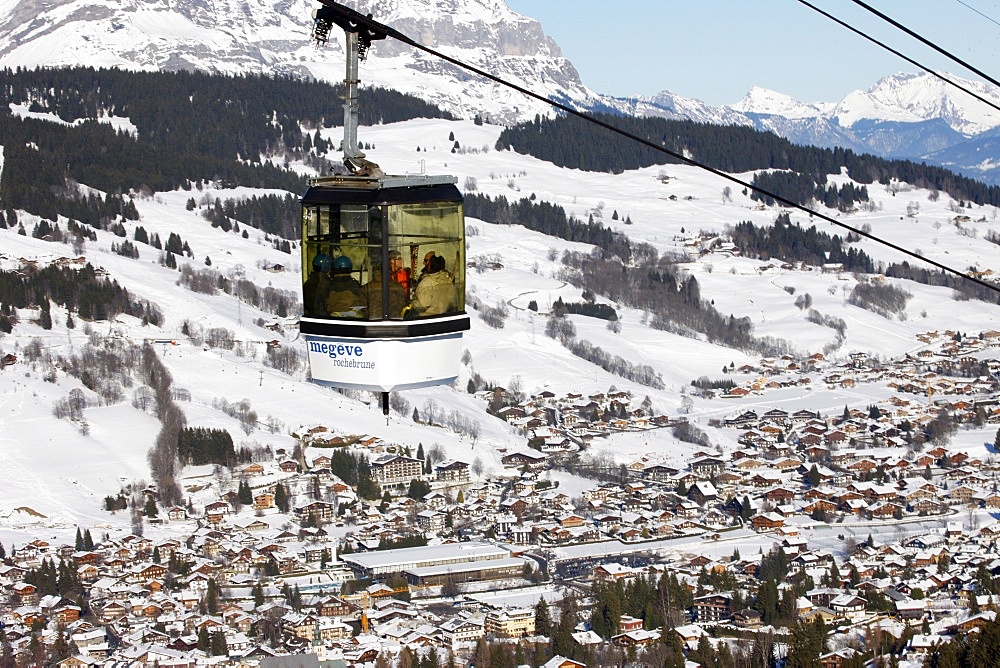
(383, 261)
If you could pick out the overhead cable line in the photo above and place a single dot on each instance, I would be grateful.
(988, 18)
(379, 30)
(902, 55)
(929, 43)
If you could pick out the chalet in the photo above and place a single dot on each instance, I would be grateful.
(659, 472)
(515, 506)
(25, 593)
(396, 470)
(637, 638)
(613, 571)
(977, 621)
(218, 507)
(332, 606)
(317, 510)
(767, 521)
(776, 416)
(263, 501)
(462, 630)
(79, 661)
(779, 495)
(713, 607)
(819, 506)
(431, 520)
(706, 467)
(849, 605)
(747, 419)
(452, 470)
(510, 623)
(562, 662)
(746, 619)
(702, 492)
(254, 469)
(839, 658)
(532, 461)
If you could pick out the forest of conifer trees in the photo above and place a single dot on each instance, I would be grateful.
(190, 128)
(798, 172)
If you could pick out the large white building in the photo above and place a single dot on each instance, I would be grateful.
(386, 562)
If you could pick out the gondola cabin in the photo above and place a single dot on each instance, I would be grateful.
(383, 258)
(384, 281)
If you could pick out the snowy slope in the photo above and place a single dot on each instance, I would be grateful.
(64, 475)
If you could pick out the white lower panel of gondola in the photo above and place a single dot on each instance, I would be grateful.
(384, 365)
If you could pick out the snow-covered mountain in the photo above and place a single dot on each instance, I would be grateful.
(909, 116)
(275, 36)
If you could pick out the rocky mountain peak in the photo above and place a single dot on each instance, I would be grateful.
(274, 36)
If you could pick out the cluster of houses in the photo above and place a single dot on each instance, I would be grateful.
(242, 584)
(279, 579)
(562, 425)
(921, 591)
(940, 368)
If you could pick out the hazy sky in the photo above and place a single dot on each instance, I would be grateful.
(715, 50)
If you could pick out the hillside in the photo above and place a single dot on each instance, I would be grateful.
(668, 208)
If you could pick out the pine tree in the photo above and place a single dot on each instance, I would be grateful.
(244, 493)
(257, 591)
(212, 597)
(218, 644)
(543, 622)
(45, 318)
(281, 497)
(813, 476)
(204, 642)
(88, 542)
(386, 500)
(482, 655)
(61, 648)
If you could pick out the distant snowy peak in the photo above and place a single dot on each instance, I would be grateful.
(917, 97)
(666, 104)
(766, 102)
(900, 98)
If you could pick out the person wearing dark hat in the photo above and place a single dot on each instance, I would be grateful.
(317, 287)
(345, 291)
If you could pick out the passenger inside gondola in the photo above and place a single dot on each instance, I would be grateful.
(435, 293)
(344, 298)
(371, 296)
